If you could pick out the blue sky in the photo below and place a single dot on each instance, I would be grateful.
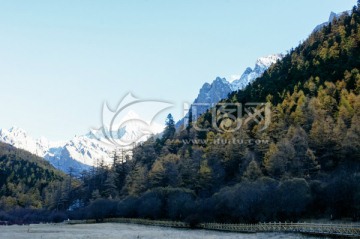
(60, 60)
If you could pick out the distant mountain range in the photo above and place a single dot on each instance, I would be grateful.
(79, 153)
(85, 151)
(219, 89)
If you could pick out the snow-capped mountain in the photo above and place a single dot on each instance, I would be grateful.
(211, 94)
(249, 75)
(132, 128)
(20, 139)
(81, 152)
(78, 153)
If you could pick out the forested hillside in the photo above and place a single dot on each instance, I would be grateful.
(307, 163)
(26, 181)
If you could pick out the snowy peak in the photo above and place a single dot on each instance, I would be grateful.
(19, 138)
(219, 89)
(131, 115)
(215, 91)
(84, 151)
(130, 129)
(87, 151)
(249, 75)
(17, 131)
(267, 61)
(79, 153)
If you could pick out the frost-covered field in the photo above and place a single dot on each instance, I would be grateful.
(118, 230)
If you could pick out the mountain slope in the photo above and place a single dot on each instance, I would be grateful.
(25, 179)
(304, 164)
(325, 56)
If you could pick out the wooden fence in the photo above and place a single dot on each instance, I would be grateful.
(343, 230)
(330, 229)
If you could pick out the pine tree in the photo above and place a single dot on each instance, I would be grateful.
(189, 126)
(136, 181)
(110, 189)
(164, 171)
(253, 171)
(169, 131)
(352, 138)
(205, 178)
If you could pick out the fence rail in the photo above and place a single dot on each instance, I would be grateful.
(149, 222)
(134, 221)
(343, 230)
(340, 230)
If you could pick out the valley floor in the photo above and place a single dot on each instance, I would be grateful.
(124, 231)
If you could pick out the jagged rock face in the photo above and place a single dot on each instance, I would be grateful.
(332, 16)
(215, 91)
(219, 89)
(249, 75)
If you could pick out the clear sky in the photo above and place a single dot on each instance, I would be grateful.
(60, 60)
